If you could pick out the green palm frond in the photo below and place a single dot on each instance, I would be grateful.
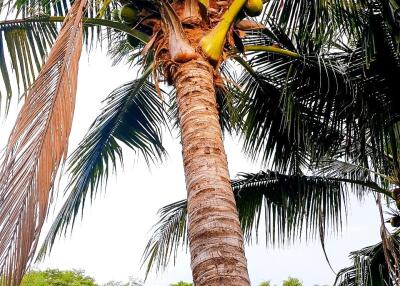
(366, 160)
(285, 116)
(23, 48)
(29, 8)
(369, 266)
(265, 133)
(316, 16)
(227, 96)
(121, 51)
(132, 115)
(331, 21)
(294, 206)
(24, 44)
(358, 177)
(290, 97)
(344, 169)
(302, 103)
(96, 34)
(169, 234)
(380, 30)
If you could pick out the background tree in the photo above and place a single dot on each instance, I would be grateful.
(181, 283)
(55, 277)
(131, 282)
(292, 282)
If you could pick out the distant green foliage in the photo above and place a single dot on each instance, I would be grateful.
(55, 277)
(181, 283)
(132, 282)
(265, 283)
(292, 282)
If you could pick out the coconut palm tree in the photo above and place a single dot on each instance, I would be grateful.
(301, 206)
(189, 45)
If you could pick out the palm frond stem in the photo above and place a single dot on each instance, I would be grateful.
(272, 49)
(372, 186)
(86, 21)
(245, 65)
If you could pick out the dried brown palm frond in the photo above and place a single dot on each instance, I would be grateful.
(36, 148)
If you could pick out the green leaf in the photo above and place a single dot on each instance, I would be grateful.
(23, 48)
(369, 266)
(170, 232)
(24, 44)
(322, 19)
(301, 109)
(293, 206)
(132, 115)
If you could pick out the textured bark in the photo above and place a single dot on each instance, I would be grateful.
(215, 237)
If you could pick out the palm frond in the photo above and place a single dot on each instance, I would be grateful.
(29, 8)
(329, 22)
(309, 103)
(365, 161)
(316, 17)
(169, 234)
(294, 206)
(344, 169)
(122, 52)
(132, 115)
(379, 29)
(284, 127)
(369, 267)
(36, 148)
(290, 98)
(228, 95)
(25, 46)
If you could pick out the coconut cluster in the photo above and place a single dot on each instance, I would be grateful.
(135, 14)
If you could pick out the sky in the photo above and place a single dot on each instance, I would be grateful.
(109, 241)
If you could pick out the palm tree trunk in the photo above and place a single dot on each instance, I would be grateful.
(215, 236)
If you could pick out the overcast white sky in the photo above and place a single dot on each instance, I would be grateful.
(109, 242)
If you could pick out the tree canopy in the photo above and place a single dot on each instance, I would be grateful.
(292, 282)
(181, 283)
(55, 277)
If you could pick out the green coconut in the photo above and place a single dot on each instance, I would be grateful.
(115, 15)
(253, 8)
(128, 14)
